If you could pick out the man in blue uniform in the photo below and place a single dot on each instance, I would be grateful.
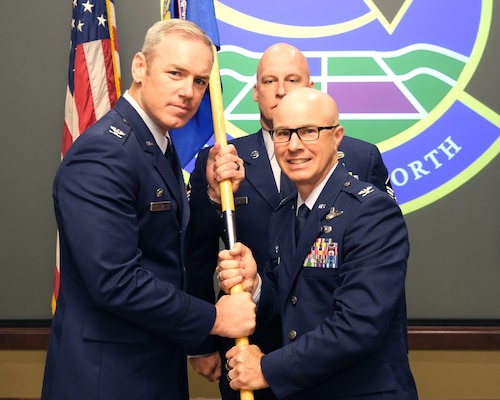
(123, 319)
(281, 69)
(338, 283)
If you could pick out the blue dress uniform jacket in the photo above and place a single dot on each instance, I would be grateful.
(256, 199)
(341, 296)
(123, 318)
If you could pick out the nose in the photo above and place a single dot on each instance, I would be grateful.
(281, 90)
(295, 142)
(187, 89)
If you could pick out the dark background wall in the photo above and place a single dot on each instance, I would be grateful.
(454, 270)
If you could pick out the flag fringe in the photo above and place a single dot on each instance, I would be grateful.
(116, 74)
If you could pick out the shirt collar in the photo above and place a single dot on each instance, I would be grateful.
(159, 136)
(314, 195)
(268, 142)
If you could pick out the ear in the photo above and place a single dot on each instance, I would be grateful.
(139, 67)
(311, 84)
(255, 93)
(339, 134)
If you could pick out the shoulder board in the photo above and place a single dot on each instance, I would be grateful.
(116, 132)
(360, 190)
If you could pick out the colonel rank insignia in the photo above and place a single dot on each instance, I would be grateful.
(366, 191)
(116, 131)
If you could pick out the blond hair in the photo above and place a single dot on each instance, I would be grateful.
(162, 29)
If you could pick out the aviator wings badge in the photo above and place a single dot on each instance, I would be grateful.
(333, 213)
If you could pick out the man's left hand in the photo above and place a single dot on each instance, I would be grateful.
(243, 368)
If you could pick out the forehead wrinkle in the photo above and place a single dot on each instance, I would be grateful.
(181, 68)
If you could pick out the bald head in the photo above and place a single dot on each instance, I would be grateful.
(281, 69)
(308, 106)
(307, 159)
(288, 55)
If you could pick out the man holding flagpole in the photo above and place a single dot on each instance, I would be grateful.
(123, 320)
(335, 273)
(281, 69)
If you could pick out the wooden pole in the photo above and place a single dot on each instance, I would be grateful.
(227, 198)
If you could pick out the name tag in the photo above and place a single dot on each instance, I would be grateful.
(241, 201)
(159, 206)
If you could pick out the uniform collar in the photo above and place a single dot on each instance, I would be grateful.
(314, 195)
(160, 137)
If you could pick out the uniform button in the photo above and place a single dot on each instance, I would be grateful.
(294, 300)
(292, 335)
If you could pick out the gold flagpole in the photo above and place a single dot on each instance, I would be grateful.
(227, 197)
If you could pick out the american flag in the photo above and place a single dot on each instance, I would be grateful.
(93, 76)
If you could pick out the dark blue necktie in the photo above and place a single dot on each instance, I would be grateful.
(300, 221)
(169, 154)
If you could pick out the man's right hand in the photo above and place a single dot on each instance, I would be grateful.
(237, 265)
(235, 316)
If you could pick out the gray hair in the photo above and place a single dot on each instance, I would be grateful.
(162, 29)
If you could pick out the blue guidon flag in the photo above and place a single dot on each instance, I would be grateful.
(193, 136)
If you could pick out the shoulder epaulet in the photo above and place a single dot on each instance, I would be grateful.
(360, 190)
(116, 132)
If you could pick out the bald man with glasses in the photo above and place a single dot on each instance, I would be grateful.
(282, 69)
(338, 285)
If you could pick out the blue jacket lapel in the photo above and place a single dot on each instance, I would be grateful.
(148, 143)
(258, 171)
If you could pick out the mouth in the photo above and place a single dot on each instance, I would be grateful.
(181, 108)
(298, 161)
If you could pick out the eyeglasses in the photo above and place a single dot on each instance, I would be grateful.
(306, 133)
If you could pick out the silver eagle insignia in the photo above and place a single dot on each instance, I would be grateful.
(366, 191)
(116, 131)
